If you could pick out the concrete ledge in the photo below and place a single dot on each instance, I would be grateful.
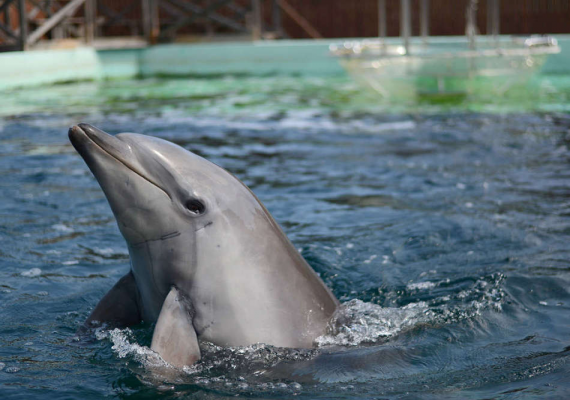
(48, 66)
(291, 57)
(299, 57)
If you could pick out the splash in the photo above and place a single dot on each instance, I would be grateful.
(124, 347)
(357, 322)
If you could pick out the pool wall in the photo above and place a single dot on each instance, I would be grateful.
(293, 57)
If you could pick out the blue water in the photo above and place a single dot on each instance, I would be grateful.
(444, 230)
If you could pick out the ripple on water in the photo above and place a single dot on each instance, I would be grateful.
(444, 234)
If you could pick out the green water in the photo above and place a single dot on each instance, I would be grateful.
(249, 94)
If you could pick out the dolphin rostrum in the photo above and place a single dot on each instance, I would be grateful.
(208, 262)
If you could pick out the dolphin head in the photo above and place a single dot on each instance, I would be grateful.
(162, 196)
(156, 188)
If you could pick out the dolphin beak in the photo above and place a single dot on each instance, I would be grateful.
(89, 141)
(82, 134)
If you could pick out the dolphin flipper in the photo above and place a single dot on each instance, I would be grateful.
(119, 307)
(174, 336)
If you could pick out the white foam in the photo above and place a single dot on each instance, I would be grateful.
(107, 251)
(32, 273)
(124, 348)
(62, 228)
(420, 286)
(358, 322)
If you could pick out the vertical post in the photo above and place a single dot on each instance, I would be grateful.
(382, 20)
(154, 22)
(208, 22)
(148, 23)
(7, 20)
(405, 24)
(89, 21)
(493, 15)
(23, 25)
(256, 11)
(424, 20)
(276, 10)
(471, 27)
(57, 31)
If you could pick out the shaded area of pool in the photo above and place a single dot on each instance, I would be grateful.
(455, 222)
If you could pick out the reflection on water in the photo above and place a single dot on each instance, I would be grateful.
(443, 232)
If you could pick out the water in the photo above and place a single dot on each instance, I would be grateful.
(443, 229)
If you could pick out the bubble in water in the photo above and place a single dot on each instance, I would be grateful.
(32, 272)
(370, 259)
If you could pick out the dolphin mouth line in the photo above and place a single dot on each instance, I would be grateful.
(78, 129)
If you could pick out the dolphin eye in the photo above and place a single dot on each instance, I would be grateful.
(195, 206)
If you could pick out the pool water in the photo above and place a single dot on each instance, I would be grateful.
(442, 227)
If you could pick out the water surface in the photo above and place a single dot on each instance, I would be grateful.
(443, 228)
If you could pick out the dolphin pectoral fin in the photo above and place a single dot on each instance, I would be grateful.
(119, 307)
(174, 336)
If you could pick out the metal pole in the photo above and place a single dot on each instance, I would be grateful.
(256, 10)
(495, 24)
(424, 20)
(146, 20)
(382, 19)
(277, 18)
(154, 22)
(23, 25)
(405, 24)
(90, 7)
(54, 20)
(299, 19)
(471, 27)
(7, 21)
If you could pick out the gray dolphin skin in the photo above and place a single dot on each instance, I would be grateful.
(208, 262)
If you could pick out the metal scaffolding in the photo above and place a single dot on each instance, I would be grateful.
(23, 23)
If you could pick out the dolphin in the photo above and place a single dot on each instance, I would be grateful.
(208, 262)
